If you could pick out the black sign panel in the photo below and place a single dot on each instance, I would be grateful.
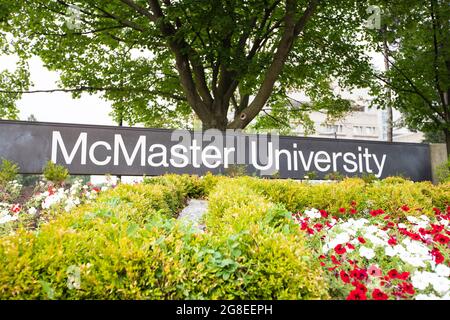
(86, 149)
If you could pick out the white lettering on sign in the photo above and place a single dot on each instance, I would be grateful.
(212, 156)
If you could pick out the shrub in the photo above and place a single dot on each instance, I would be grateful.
(55, 173)
(277, 262)
(193, 186)
(443, 172)
(389, 194)
(8, 172)
(125, 245)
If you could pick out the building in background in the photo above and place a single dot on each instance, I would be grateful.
(362, 123)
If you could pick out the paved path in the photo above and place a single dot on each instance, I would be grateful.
(193, 213)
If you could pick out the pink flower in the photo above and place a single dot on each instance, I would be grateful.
(374, 271)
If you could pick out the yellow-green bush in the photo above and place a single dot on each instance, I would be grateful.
(193, 186)
(126, 245)
(279, 263)
(389, 194)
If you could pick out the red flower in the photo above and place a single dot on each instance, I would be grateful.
(51, 191)
(359, 286)
(344, 276)
(415, 236)
(310, 231)
(353, 204)
(437, 211)
(407, 288)
(390, 224)
(334, 260)
(405, 208)
(322, 264)
(353, 211)
(440, 238)
(324, 214)
(342, 210)
(318, 226)
(350, 246)
(339, 249)
(392, 241)
(361, 239)
(377, 212)
(393, 274)
(16, 208)
(359, 274)
(377, 294)
(438, 258)
(356, 295)
(404, 275)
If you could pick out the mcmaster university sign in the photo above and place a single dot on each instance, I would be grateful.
(86, 149)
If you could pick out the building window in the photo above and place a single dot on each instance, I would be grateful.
(370, 131)
(358, 130)
(333, 128)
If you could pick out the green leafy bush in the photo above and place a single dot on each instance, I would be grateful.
(443, 172)
(389, 194)
(126, 245)
(8, 172)
(55, 173)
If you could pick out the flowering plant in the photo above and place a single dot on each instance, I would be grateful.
(47, 197)
(380, 257)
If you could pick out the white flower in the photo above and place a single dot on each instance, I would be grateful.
(390, 251)
(426, 297)
(32, 211)
(366, 252)
(440, 284)
(419, 280)
(412, 219)
(7, 218)
(442, 270)
(312, 214)
(371, 229)
(402, 225)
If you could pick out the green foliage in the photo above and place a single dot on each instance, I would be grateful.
(125, 245)
(336, 176)
(55, 173)
(8, 172)
(388, 194)
(368, 177)
(419, 74)
(230, 45)
(443, 172)
(192, 186)
(236, 170)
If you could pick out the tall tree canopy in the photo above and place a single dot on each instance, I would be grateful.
(159, 61)
(418, 33)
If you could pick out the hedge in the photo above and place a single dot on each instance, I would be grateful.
(389, 194)
(127, 245)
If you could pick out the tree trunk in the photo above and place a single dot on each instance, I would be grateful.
(389, 119)
(215, 122)
(447, 141)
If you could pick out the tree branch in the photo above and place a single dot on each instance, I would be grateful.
(292, 29)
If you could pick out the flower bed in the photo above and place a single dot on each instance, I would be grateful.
(379, 256)
(383, 240)
(44, 199)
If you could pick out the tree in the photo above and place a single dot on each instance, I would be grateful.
(159, 61)
(419, 63)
